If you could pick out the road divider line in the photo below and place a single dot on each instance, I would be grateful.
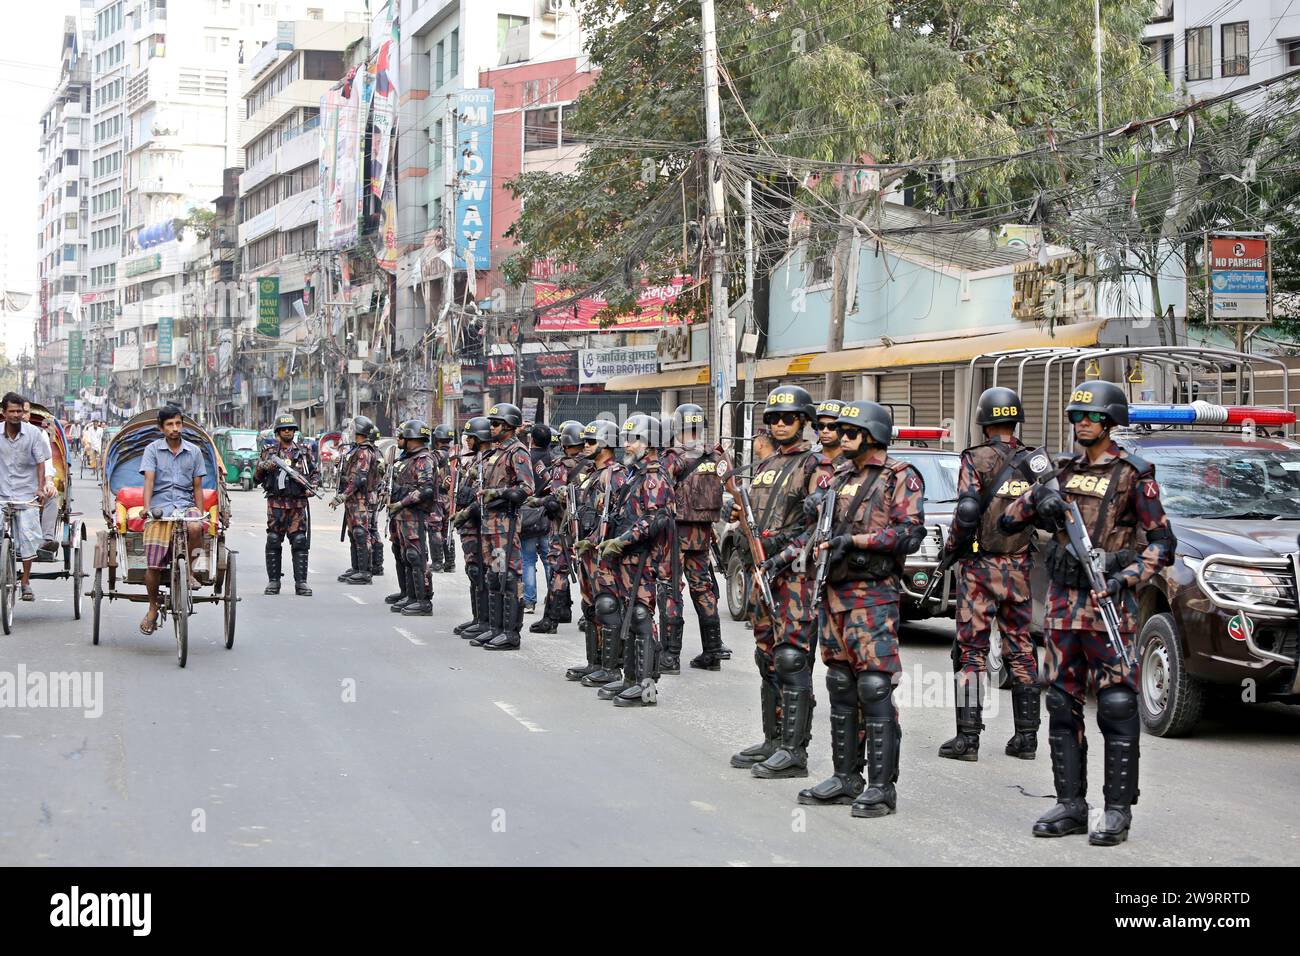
(357, 599)
(410, 637)
(514, 713)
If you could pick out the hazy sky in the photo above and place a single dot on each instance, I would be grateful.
(30, 43)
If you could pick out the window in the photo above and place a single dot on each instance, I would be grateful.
(71, 157)
(322, 65)
(1293, 53)
(437, 144)
(300, 240)
(71, 189)
(1235, 46)
(259, 253)
(506, 23)
(439, 65)
(1161, 51)
(69, 283)
(542, 128)
(210, 44)
(453, 67)
(1200, 55)
(69, 253)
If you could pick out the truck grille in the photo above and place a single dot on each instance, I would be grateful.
(1264, 590)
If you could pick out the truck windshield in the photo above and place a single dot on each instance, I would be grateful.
(939, 472)
(243, 442)
(1238, 482)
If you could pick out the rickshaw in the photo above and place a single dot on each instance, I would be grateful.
(69, 534)
(119, 550)
(331, 454)
(239, 449)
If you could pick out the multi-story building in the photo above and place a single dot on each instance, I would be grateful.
(62, 241)
(279, 190)
(1207, 47)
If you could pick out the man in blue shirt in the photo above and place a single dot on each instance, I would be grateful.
(173, 472)
(23, 454)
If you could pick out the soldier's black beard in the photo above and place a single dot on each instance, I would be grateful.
(1091, 442)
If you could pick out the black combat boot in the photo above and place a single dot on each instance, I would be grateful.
(300, 586)
(1117, 714)
(642, 690)
(449, 554)
(352, 544)
(1069, 768)
(482, 625)
(419, 605)
(407, 588)
(625, 677)
(562, 609)
(884, 737)
(402, 595)
(711, 640)
(670, 662)
(494, 608)
(376, 555)
(846, 743)
(791, 756)
(273, 571)
(1025, 700)
(547, 623)
(512, 617)
(606, 617)
(362, 573)
(588, 628)
(768, 707)
(970, 712)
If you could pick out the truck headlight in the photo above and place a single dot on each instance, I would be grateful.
(1268, 587)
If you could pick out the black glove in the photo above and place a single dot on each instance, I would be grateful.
(774, 564)
(553, 508)
(812, 504)
(516, 497)
(1049, 506)
(1114, 586)
(837, 547)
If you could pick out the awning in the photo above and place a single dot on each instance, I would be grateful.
(305, 403)
(949, 351)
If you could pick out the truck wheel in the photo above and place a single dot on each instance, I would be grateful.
(737, 587)
(1171, 700)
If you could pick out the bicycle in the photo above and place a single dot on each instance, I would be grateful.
(9, 561)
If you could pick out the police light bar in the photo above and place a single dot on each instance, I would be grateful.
(1204, 413)
(919, 434)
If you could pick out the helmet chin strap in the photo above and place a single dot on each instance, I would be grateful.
(1093, 442)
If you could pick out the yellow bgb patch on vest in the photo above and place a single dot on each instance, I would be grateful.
(1094, 485)
(1012, 488)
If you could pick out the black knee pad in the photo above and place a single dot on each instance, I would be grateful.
(790, 660)
(273, 541)
(841, 686)
(1117, 712)
(359, 535)
(874, 688)
(298, 542)
(641, 619)
(1062, 710)
(607, 609)
(475, 573)
(509, 582)
(413, 557)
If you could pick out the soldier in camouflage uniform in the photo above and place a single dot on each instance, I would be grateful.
(785, 638)
(827, 414)
(358, 479)
(286, 504)
(440, 544)
(878, 520)
(993, 579)
(415, 492)
(568, 469)
(508, 477)
(469, 523)
(1117, 496)
(633, 559)
(697, 491)
(597, 490)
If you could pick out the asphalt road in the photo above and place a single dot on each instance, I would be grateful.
(337, 733)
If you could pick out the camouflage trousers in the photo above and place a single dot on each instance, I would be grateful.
(1077, 660)
(697, 568)
(286, 517)
(407, 530)
(558, 559)
(996, 587)
(784, 628)
(358, 514)
(470, 542)
(859, 638)
(502, 545)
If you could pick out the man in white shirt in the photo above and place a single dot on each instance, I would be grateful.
(49, 493)
(23, 478)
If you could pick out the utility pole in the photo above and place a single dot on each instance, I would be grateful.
(448, 236)
(750, 343)
(1096, 42)
(722, 352)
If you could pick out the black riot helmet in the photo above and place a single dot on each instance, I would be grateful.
(541, 434)
(478, 428)
(284, 422)
(416, 430)
(872, 418)
(829, 409)
(506, 413)
(688, 417)
(789, 398)
(363, 427)
(1098, 396)
(571, 434)
(442, 433)
(603, 433)
(999, 406)
(644, 428)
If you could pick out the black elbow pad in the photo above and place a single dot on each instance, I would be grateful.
(966, 516)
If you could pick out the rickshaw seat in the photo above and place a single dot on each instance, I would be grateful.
(131, 516)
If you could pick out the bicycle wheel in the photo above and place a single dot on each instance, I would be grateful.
(8, 585)
(98, 596)
(231, 598)
(180, 608)
(77, 575)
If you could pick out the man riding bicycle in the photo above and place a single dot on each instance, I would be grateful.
(23, 454)
(173, 472)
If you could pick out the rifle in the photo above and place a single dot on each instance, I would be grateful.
(739, 493)
(295, 474)
(941, 572)
(571, 502)
(821, 535)
(1091, 558)
(453, 462)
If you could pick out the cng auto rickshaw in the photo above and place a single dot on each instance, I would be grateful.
(239, 449)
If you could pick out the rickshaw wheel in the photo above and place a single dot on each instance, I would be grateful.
(231, 598)
(8, 585)
(98, 595)
(180, 602)
(77, 574)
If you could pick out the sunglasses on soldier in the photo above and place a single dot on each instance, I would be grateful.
(849, 431)
(785, 418)
(1077, 416)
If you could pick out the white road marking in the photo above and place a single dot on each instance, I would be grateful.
(357, 599)
(410, 637)
(514, 712)
(53, 600)
(701, 805)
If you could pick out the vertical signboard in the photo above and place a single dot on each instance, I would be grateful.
(268, 306)
(1239, 276)
(474, 179)
(165, 328)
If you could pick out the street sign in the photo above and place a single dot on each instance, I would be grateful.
(1238, 278)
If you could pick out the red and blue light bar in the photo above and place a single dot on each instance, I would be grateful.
(1205, 413)
(910, 433)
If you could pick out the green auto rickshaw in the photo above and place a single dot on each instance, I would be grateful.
(239, 449)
